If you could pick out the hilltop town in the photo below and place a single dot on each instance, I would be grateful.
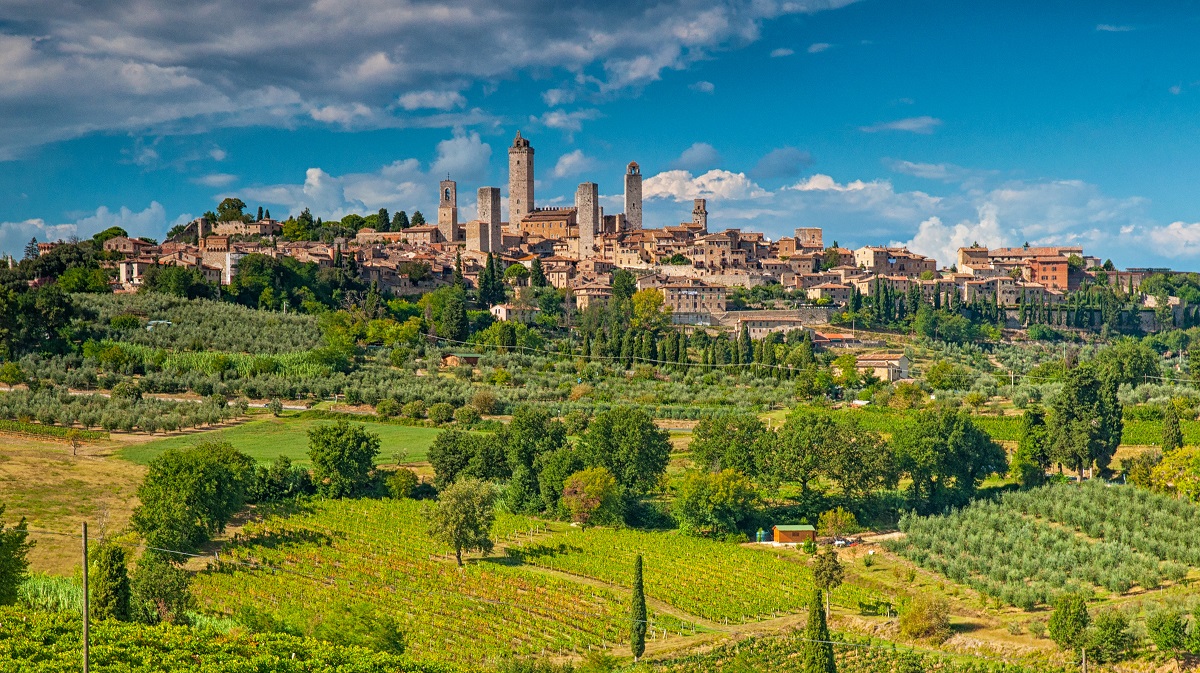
(695, 266)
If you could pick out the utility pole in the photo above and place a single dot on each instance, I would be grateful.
(85, 598)
(1084, 650)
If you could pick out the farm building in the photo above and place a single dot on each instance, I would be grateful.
(798, 534)
(885, 366)
(456, 359)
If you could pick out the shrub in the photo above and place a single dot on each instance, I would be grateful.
(402, 483)
(275, 406)
(484, 401)
(387, 407)
(466, 415)
(342, 456)
(1069, 621)
(414, 409)
(592, 496)
(441, 412)
(926, 617)
(1109, 639)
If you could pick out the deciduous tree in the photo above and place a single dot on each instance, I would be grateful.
(627, 443)
(463, 517)
(342, 456)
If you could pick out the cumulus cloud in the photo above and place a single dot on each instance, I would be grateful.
(697, 157)
(464, 157)
(782, 162)
(556, 97)
(781, 52)
(941, 242)
(681, 185)
(151, 221)
(102, 67)
(703, 86)
(432, 100)
(217, 154)
(567, 122)
(818, 47)
(1177, 239)
(924, 124)
(573, 163)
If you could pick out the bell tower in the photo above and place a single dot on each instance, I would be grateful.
(448, 211)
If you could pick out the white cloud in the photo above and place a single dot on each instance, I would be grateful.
(432, 100)
(818, 47)
(715, 184)
(924, 124)
(1110, 28)
(781, 52)
(464, 157)
(1176, 89)
(1177, 239)
(215, 179)
(703, 86)
(573, 163)
(945, 172)
(217, 154)
(568, 122)
(697, 157)
(151, 221)
(104, 68)
(557, 97)
(941, 242)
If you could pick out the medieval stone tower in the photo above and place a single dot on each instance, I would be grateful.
(520, 181)
(633, 196)
(587, 216)
(700, 214)
(489, 220)
(448, 211)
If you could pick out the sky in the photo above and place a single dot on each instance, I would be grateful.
(925, 123)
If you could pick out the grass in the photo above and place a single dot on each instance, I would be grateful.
(55, 491)
(265, 439)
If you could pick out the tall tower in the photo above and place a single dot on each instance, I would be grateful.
(448, 211)
(489, 219)
(587, 216)
(520, 181)
(700, 214)
(633, 196)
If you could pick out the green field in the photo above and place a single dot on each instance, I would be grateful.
(265, 439)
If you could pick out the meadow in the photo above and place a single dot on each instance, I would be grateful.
(267, 438)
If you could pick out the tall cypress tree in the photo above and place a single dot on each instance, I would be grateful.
(817, 655)
(1172, 438)
(537, 277)
(110, 588)
(637, 613)
(458, 272)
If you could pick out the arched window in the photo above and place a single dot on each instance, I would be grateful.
(447, 197)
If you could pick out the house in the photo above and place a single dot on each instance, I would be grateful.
(798, 534)
(457, 359)
(885, 366)
(507, 312)
(837, 293)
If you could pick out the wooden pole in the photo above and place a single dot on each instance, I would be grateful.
(1084, 650)
(85, 598)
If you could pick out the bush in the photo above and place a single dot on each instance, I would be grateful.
(387, 407)
(414, 409)
(926, 617)
(484, 401)
(441, 412)
(1069, 621)
(275, 406)
(1109, 639)
(342, 456)
(714, 502)
(402, 483)
(592, 496)
(466, 415)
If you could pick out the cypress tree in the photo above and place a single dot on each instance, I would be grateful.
(1172, 437)
(400, 221)
(260, 214)
(817, 655)
(385, 220)
(537, 277)
(458, 272)
(110, 588)
(637, 613)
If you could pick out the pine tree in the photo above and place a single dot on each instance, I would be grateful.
(110, 587)
(817, 653)
(537, 277)
(637, 613)
(400, 221)
(1172, 437)
(31, 249)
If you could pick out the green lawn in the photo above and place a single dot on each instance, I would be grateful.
(267, 438)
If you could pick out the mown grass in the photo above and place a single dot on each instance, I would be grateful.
(267, 438)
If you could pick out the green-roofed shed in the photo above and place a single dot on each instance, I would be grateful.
(795, 534)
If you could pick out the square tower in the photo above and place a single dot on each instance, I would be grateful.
(633, 196)
(587, 216)
(489, 218)
(809, 237)
(520, 181)
(448, 211)
(700, 214)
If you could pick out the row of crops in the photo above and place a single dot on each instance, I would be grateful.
(719, 581)
(377, 552)
(40, 641)
(1029, 546)
(57, 410)
(853, 655)
(130, 357)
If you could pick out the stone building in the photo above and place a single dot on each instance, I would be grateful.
(520, 181)
(700, 214)
(448, 212)
(485, 234)
(633, 196)
(809, 237)
(587, 214)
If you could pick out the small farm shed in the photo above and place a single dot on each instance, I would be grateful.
(798, 534)
(456, 359)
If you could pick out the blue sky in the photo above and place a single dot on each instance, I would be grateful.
(932, 124)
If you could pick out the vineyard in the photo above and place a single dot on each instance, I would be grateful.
(854, 655)
(40, 641)
(1031, 545)
(716, 580)
(377, 552)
